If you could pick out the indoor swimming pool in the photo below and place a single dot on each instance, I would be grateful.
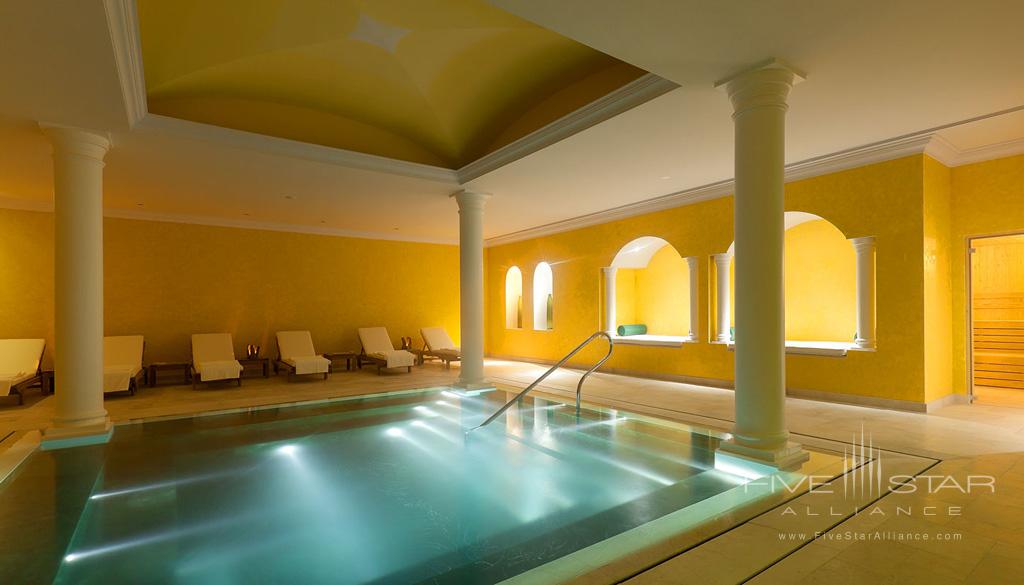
(384, 489)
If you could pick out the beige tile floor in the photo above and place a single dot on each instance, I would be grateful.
(987, 437)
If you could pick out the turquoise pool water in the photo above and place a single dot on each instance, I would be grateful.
(382, 490)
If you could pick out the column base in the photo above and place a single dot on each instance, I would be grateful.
(864, 343)
(787, 457)
(63, 437)
(473, 385)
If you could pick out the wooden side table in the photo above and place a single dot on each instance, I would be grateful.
(252, 363)
(46, 384)
(348, 356)
(184, 369)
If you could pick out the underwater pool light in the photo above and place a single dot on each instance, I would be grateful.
(289, 450)
(394, 432)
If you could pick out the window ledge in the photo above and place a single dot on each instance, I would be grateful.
(820, 348)
(653, 340)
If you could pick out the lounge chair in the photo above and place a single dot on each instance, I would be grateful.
(213, 358)
(438, 344)
(295, 354)
(19, 366)
(122, 363)
(378, 349)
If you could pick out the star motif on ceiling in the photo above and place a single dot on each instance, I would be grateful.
(380, 34)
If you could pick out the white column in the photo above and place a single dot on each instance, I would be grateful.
(759, 114)
(471, 286)
(723, 312)
(78, 287)
(609, 299)
(694, 266)
(865, 249)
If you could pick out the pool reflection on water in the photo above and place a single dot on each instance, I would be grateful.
(382, 490)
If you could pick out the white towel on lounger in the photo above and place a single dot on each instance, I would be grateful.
(396, 358)
(223, 370)
(118, 378)
(312, 364)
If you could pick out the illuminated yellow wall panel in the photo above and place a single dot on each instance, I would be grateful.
(663, 294)
(821, 287)
(938, 301)
(882, 200)
(169, 280)
(625, 296)
(821, 284)
(987, 199)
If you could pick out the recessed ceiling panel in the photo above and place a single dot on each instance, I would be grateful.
(440, 82)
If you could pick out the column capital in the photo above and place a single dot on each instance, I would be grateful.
(692, 261)
(78, 141)
(765, 85)
(863, 244)
(470, 199)
(722, 259)
(609, 269)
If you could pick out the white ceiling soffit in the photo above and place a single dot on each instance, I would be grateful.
(985, 138)
(875, 71)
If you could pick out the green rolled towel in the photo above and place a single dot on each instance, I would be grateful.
(625, 330)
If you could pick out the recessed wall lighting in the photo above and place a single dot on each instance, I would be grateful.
(140, 204)
(666, 177)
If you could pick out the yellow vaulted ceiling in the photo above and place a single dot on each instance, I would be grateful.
(440, 82)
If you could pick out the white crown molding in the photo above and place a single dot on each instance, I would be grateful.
(46, 206)
(989, 152)
(929, 143)
(293, 148)
(123, 26)
(18, 204)
(144, 215)
(672, 200)
(627, 97)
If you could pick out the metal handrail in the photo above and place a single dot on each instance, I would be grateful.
(561, 362)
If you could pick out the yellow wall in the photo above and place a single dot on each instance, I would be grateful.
(657, 296)
(169, 280)
(938, 294)
(663, 294)
(821, 284)
(986, 200)
(625, 296)
(26, 266)
(882, 200)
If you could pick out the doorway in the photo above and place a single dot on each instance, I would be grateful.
(996, 301)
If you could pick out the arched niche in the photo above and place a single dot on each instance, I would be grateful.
(649, 283)
(514, 298)
(543, 297)
(820, 281)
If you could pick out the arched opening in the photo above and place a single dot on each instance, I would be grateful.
(543, 297)
(820, 280)
(652, 291)
(514, 298)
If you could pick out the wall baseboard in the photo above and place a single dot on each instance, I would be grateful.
(947, 400)
(802, 393)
